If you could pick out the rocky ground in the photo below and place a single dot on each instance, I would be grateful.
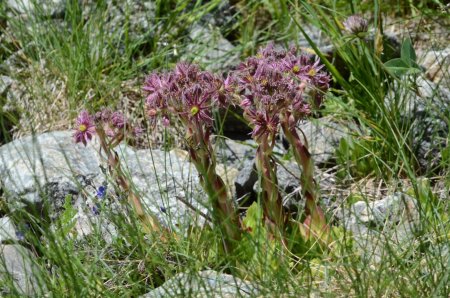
(46, 167)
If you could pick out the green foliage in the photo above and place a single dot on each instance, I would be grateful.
(133, 263)
(406, 64)
(66, 221)
(261, 21)
(384, 148)
(355, 158)
(260, 252)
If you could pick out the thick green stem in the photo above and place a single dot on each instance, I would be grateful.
(149, 222)
(271, 198)
(315, 221)
(224, 213)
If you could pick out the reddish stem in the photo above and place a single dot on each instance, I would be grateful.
(150, 222)
(271, 198)
(224, 213)
(315, 219)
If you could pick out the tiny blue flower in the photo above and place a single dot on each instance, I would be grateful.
(96, 209)
(163, 210)
(101, 192)
(20, 235)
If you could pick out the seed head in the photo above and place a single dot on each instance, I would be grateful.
(355, 24)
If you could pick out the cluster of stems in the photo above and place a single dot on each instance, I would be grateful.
(188, 96)
(276, 89)
(111, 128)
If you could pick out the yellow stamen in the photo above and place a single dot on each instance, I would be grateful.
(312, 72)
(296, 68)
(82, 127)
(194, 110)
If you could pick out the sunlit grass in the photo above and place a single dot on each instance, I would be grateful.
(91, 66)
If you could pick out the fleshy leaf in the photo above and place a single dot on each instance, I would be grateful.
(408, 53)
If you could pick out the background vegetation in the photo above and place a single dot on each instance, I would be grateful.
(85, 63)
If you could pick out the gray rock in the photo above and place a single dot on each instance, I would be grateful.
(323, 136)
(316, 35)
(236, 153)
(229, 175)
(384, 214)
(169, 184)
(204, 284)
(5, 82)
(41, 7)
(210, 49)
(244, 183)
(30, 165)
(223, 16)
(16, 266)
(288, 175)
(436, 64)
(87, 223)
(53, 165)
(7, 230)
(380, 225)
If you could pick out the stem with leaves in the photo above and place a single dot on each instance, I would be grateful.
(188, 96)
(315, 224)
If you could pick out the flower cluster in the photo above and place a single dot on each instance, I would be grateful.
(185, 92)
(273, 90)
(190, 95)
(275, 82)
(113, 123)
(111, 129)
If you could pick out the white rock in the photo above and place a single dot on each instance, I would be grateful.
(167, 182)
(207, 283)
(436, 64)
(5, 82)
(27, 164)
(323, 136)
(7, 230)
(387, 223)
(16, 261)
(383, 214)
(30, 7)
(210, 49)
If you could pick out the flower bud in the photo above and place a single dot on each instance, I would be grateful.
(355, 24)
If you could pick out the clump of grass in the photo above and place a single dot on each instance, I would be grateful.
(134, 262)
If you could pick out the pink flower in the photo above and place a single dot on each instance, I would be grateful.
(138, 131)
(85, 128)
(118, 120)
(197, 104)
(187, 93)
(165, 121)
(264, 123)
(272, 85)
